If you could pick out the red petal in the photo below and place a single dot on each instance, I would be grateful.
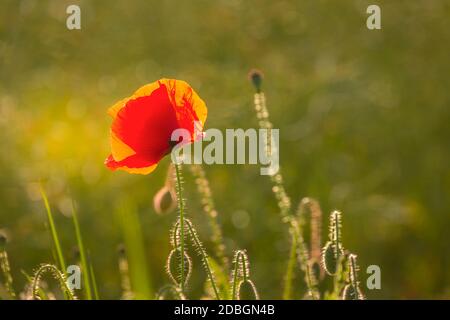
(146, 124)
(134, 161)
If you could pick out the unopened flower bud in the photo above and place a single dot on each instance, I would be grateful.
(165, 200)
(256, 78)
(3, 239)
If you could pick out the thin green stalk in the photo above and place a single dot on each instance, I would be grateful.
(5, 268)
(124, 270)
(53, 231)
(29, 288)
(338, 278)
(84, 265)
(315, 215)
(287, 294)
(353, 275)
(235, 279)
(141, 282)
(303, 261)
(209, 208)
(337, 237)
(283, 200)
(244, 268)
(203, 255)
(220, 266)
(94, 281)
(181, 208)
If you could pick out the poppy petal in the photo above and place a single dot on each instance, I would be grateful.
(145, 124)
(119, 149)
(132, 164)
(142, 91)
(189, 107)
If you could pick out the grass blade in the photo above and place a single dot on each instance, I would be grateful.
(134, 243)
(84, 265)
(53, 231)
(93, 279)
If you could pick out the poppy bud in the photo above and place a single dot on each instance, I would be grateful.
(165, 200)
(352, 293)
(173, 266)
(3, 240)
(256, 78)
(330, 258)
(247, 291)
(121, 250)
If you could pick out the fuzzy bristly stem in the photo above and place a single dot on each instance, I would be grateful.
(181, 218)
(284, 202)
(235, 276)
(6, 270)
(209, 208)
(287, 294)
(203, 255)
(241, 275)
(57, 275)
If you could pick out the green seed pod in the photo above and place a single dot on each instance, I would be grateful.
(170, 292)
(349, 292)
(353, 276)
(333, 250)
(256, 78)
(352, 293)
(247, 291)
(173, 267)
(3, 240)
(330, 258)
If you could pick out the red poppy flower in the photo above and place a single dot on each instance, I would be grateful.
(143, 124)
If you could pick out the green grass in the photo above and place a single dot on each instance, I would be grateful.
(53, 232)
(86, 269)
(141, 285)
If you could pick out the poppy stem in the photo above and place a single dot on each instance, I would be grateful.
(181, 207)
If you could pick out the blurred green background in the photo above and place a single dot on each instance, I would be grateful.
(363, 117)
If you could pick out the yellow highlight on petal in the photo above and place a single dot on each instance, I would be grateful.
(181, 90)
(144, 170)
(119, 149)
(112, 111)
(199, 107)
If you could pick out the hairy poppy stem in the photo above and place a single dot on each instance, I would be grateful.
(209, 208)
(181, 207)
